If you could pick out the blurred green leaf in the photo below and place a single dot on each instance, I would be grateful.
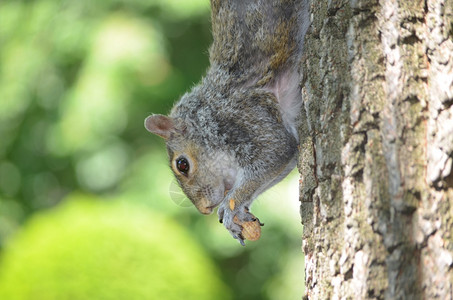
(86, 249)
(77, 79)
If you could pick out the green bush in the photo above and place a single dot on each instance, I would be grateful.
(87, 249)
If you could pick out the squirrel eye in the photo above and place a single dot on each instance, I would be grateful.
(183, 165)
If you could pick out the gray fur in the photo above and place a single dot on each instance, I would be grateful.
(237, 128)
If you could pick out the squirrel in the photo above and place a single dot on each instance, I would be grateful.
(234, 135)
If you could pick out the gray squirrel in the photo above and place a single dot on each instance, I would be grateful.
(234, 135)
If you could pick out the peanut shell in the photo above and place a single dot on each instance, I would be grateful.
(250, 230)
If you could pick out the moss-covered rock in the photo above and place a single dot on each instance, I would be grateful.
(87, 249)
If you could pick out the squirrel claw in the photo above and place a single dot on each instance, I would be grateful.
(240, 239)
(238, 220)
(254, 220)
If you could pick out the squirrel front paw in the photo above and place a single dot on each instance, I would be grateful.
(239, 221)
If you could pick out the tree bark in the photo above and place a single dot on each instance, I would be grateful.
(377, 149)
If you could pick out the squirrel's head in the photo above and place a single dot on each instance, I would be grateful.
(204, 174)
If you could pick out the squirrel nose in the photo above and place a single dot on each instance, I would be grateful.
(205, 210)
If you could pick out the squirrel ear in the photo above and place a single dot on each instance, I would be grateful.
(161, 125)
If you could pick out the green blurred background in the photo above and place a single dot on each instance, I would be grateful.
(88, 205)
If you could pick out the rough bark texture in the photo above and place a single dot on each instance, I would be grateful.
(377, 150)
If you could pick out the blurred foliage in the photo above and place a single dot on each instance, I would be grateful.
(77, 79)
(94, 250)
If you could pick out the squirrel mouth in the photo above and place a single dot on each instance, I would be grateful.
(207, 210)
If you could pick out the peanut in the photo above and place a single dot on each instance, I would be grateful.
(250, 230)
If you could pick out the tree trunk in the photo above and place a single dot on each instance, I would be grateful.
(377, 150)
